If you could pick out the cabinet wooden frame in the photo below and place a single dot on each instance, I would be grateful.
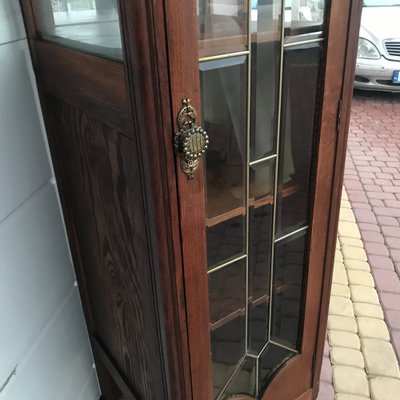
(142, 95)
(160, 69)
(300, 377)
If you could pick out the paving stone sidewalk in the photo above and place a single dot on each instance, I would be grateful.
(359, 360)
(372, 180)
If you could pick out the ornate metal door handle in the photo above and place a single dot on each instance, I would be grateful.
(191, 141)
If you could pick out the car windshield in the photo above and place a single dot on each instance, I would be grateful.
(381, 3)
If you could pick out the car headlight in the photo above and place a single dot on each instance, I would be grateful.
(367, 50)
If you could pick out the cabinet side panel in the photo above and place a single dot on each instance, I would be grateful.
(103, 202)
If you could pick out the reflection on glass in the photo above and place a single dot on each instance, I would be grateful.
(301, 75)
(243, 383)
(271, 361)
(223, 91)
(222, 26)
(227, 298)
(304, 16)
(265, 53)
(271, 324)
(289, 270)
(225, 240)
(88, 25)
(260, 221)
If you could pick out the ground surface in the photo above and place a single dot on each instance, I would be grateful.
(364, 321)
(372, 180)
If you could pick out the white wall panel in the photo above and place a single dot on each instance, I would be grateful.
(24, 165)
(35, 274)
(11, 24)
(61, 362)
(91, 390)
(44, 348)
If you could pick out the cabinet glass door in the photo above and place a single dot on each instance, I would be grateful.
(91, 26)
(260, 75)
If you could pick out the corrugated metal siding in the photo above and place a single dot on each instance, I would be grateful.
(44, 346)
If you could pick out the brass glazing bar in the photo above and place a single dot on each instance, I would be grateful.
(283, 346)
(257, 388)
(261, 160)
(238, 366)
(292, 44)
(276, 344)
(222, 56)
(262, 350)
(278, 131)
(291, 234)
(248, 127)
(226, 264)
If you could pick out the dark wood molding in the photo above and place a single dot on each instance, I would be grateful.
(111, 239)
(183, 67)
(29, 19)
(94, 84)
(349, 55)
(146, 69)
(126, 391)
(107, 382)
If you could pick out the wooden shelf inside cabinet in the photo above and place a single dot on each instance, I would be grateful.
(235, 210)
(240, 312)
(234, 39)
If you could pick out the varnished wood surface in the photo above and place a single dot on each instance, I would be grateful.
(95, 85)
(217, 217)
(306, 396)
(127, 98)
(124, 388)
(347, 54)
(184, 78)
(146, 69)
(29, 20)
(101, 185)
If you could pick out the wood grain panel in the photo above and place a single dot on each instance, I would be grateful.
(146, 64)
(93, 84)
(185, 83)
(102, 193)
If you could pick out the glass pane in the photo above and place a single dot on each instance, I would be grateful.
(304, 16)
(289, 270)
(227, 297)
(224, 240)
(222, 26)
(265, 53)
(260, 239)
(224, 98)
(244, 381)
(271, 360)
(301, 76)
(88, 25)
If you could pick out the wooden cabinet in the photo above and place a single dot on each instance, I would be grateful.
(204, 259)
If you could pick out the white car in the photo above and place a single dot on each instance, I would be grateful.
(378, 58)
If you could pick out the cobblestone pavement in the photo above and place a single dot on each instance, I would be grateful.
(372, 180)
(364, 320)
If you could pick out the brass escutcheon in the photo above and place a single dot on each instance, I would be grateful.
(191, 142)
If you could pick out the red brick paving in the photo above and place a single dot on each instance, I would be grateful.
(372, 180)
